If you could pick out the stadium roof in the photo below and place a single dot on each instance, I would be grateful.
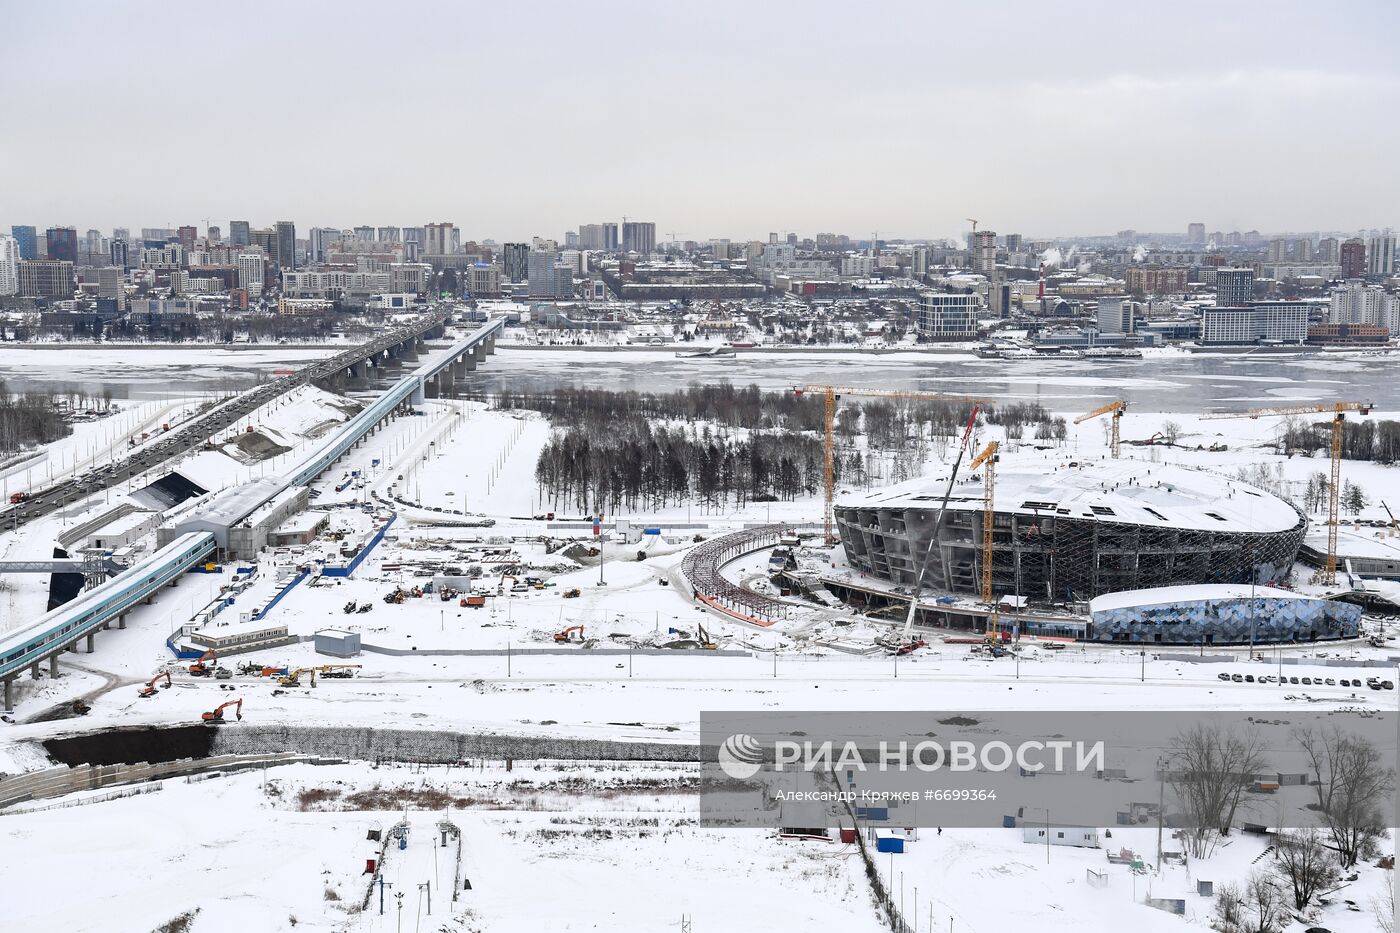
(1127, 491)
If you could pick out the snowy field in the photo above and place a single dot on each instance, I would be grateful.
(459, 479)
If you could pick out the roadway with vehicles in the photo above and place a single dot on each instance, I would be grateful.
(28, 505)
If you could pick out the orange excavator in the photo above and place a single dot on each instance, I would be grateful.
(217, 717)
(566, 635)
(150, 689)
(198, 668)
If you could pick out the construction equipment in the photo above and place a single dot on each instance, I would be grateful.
(350, 607)
(1116, 409)
(832, 394)
(337, 671)
(702, 635)
(1393, 523)
(294, 678)
(987, 459)
(567, 634)
(199, 669)
(937, 527)
(216, 718)
(572, 592)
(1338, 411)
(150, 689)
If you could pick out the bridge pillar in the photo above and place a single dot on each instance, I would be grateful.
(53, 665)
(432, 388)
(490, 344)
(72, 648)
(34, 670)
(121, 620)
(9, 693)
(90, 638)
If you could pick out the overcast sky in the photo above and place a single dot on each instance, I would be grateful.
(713, 119)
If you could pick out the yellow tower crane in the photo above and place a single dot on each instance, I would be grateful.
(831, 395)
(987, 459)
(1117, 408)
(1338, 411)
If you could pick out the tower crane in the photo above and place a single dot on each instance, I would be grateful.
(1116, 408)
(1338, 411)
(988, 460)
(973, 222)
(832, 394)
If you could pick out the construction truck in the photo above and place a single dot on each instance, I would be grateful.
(338, 671)
(17, 497)
(216, 718)
(199, 669)
(566, 636)
(294, 678)
(572, 592)
(150, 689)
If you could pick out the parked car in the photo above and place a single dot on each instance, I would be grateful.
(1223, 676)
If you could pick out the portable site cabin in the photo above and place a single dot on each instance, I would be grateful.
(1084, 837)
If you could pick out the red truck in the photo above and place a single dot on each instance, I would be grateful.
(16, 497)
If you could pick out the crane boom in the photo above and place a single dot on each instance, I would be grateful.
(1116, 409)
(938, 523)
(1338, 411)
(988, 459)
(830, 395)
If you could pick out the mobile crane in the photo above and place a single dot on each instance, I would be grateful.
(832, 394)
(1338, 411)
(338, 671)
(150, 689)
(1116, 409)
(216, 718)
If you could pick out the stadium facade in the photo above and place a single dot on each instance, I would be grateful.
(1070, 531)
(1220, 615)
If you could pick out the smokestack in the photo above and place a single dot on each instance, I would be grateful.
(1040, 292)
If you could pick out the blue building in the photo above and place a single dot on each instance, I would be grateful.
(28, 238)
(1225, 614)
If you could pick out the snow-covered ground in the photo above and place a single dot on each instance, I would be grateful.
(460, 478)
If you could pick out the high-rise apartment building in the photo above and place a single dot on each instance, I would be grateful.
(1328, 251)
(639, 237)
(187, 235)
(62, 244)
(9, 265)
(1234, 287)
(286, 255)
(948, 317)
(515, 259)
(438, 238)
(540, 273)
(387, 234)
(119, 254)
(318, 243)
(1380, 255)
(251, 272)
(1353, 259)
(1355, 302)
(28, 240)
(1196, 234)
(983, 251)
(239, 233)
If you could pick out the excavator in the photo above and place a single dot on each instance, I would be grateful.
(199, 669)
(703, 637)
(216, 718)
(565, 636)
(150, 689)
(294, 678)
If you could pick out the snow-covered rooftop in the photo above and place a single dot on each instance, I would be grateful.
(1163, 595)
(1128, 491)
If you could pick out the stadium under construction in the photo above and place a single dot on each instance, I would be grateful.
(1071, 531)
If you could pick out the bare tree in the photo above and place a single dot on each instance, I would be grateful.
(1210, 768)
(1384, 908)
(1171, 430)
(1229, 908)
(1263, 904)
(1305, 864)
(1351, 779)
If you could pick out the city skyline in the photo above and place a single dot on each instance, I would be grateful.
(958, 113)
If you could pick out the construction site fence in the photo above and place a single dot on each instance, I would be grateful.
(1286, 660)
(502, 652)
(439, 747)
(58, 782)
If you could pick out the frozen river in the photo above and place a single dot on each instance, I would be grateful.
(1174, 382)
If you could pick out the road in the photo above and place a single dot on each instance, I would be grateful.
(178, 441)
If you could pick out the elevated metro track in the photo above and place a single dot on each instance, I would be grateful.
(403, 341)
(61, 629)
